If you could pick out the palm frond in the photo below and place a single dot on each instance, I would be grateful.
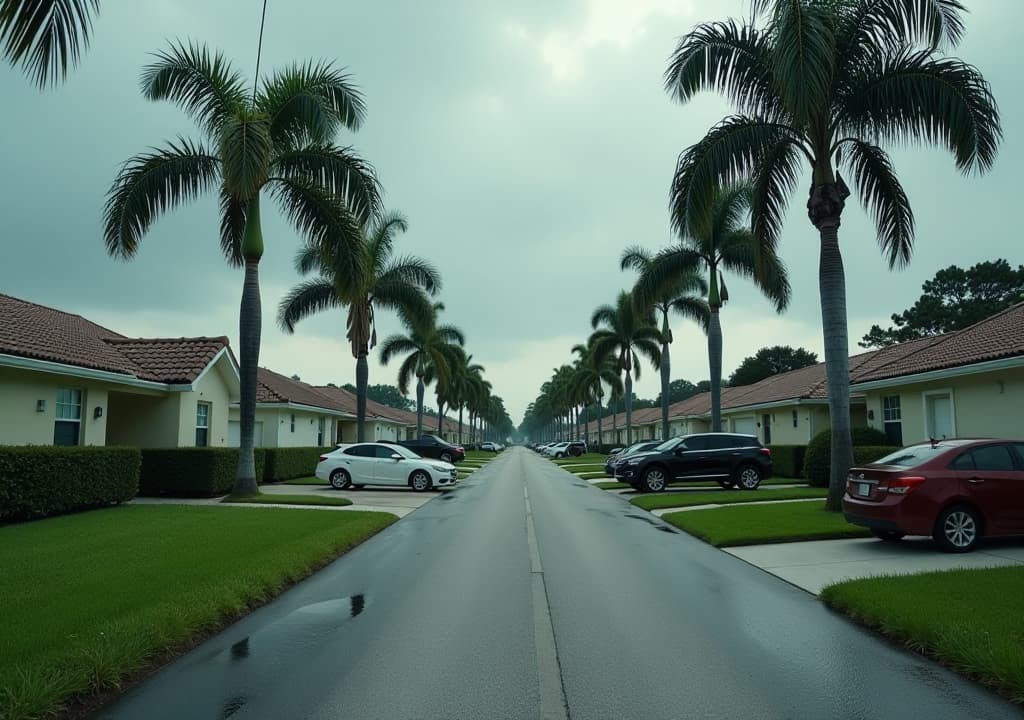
(883, 26)
(340, 171)
(309, 103)
(803, 56)
(693, 308)
(883, 197)
(307, 298)
(451, 335)
(246, 149)
(381, 237)
(917, 97)
(603, 314)
(396, 345)
(635, 258)
(406, 372)
(664, 273)
(412, 270)
(150, 184)
(406, 299)
(203, 84)
(46, 37)
(725, 57)
(232, 226)
(649, 348)
(774, 179)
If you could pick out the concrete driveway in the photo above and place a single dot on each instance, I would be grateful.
(813, 565)
(399, 501)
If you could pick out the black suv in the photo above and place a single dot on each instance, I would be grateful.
(731, 459)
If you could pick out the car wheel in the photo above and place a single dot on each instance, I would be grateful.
(654, 480)
(748, 477)
(340, 480)
(889, 535)
(446, 457)
(559, 456)
(958, 529)
(419, 481)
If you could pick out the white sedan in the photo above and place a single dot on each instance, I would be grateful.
(381, 464)
(492, 446)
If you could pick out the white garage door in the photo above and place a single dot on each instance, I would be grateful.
(747, 426)
(235, 433)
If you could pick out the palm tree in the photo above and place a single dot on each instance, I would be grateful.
(461, 384)
(592, 373)
(676, 292)
(821, 85)
(479, 391)
(399, 284)
(626, 332)
(45, 37)
(279, 141)
(426, 346)
(723, 242)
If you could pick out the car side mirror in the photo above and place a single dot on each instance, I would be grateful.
(396, 456)
(680, 451)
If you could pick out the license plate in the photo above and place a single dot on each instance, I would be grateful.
(864, 489)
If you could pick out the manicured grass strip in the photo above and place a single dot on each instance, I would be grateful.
(611, 485)
(969, 620)
(305, 481)
(273, 499)
(580, 459)
(757, 524)
(591, 475)
(667, 500)
(92, 597)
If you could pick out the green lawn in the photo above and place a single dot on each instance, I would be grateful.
(585, 458)
(92, 597)
(305, 481)
(481, 455)
(970, 620)
(689, 499)
(756, 524)
(270, 498)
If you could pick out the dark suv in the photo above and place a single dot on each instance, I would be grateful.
(576, 448)
(730, 459)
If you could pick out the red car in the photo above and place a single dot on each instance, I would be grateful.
(957, 491)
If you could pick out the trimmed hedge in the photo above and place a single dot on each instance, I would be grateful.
(818, 457)
(40, 480)
(788, 460)
(290, 463)
(192, 472)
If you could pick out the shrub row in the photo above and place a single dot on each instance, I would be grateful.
(192, 472)
(818, 458)
(788, 460)
(38, 481)
(289, 463)
(865, 454)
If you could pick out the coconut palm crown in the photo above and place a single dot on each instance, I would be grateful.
(278, 141)
(384, 282)
(824, 86)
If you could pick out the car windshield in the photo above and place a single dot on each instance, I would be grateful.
(668, 445)
(914, 455)
(403, 451)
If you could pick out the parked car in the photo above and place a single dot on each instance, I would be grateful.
(730, 458)
(556, 450)
(576, 448)
(616, 457)
(957, 491)
(362, 464)
(431, 446)
(491, 446)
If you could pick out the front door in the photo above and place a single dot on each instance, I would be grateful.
(766, 425)
(939, 414)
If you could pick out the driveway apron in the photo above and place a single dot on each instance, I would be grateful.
(528, 593)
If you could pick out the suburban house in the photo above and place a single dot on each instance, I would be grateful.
(67, 381)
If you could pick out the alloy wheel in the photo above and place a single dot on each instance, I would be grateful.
(420, 481)
(960, 529)
(654, 480)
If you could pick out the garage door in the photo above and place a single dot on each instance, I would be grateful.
(235, 433)
(747, 426)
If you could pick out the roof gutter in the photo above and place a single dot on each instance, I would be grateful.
(22, 363)
(945, 374)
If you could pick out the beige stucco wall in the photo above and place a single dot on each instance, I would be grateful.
(984, 405)
(147, 421)
(21, 424)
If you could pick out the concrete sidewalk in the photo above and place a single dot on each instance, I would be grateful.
(816, 564)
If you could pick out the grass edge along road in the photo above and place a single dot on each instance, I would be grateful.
(968, 620)
(93, 598)
(754, 524)
(298, 499)
(658, 501)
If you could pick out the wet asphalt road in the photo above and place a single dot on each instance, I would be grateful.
(526, 593)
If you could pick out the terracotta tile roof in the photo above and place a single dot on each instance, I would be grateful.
(35, 331)
(273, 387)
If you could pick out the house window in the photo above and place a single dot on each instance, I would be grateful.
(202, 424)
(293, 422)
(892, 416)
(796, 420)
(320, 433)
(766, 426)
(67, 427)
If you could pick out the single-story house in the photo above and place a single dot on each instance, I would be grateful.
(67, 381)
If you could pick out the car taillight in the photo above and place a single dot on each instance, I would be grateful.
(902, 485)
(766, 451)
(459, 449)
(322, 458)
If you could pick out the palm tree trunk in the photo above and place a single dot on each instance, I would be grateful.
(249, 326)
(600, 436)
(666, 373)
(461, 441)
(419, 407)
(615, 424)
(825, 207)
(362, 379)
(440, 415)
(715, 362)
(629, 408)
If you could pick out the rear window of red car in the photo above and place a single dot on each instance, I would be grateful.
(913, 456)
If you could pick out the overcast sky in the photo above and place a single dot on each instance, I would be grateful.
(528, 142)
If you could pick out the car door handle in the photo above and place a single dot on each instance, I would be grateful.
(975, 480)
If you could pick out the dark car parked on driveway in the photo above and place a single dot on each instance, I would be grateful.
(615, 458)
(957, 491)
(431, 446)
(729, 458)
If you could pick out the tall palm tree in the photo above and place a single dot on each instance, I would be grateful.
(592, 373)
(427, 345)
(279, 141)
(476, 400)
(46, 37)
(399, 284)
(461, 383)
(723, 241)
(625, 333)
(677, 292)
(821, 85)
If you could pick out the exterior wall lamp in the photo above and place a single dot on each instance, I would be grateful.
(40, 406)
(97, 412)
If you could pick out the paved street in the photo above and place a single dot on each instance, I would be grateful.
(528, 593)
